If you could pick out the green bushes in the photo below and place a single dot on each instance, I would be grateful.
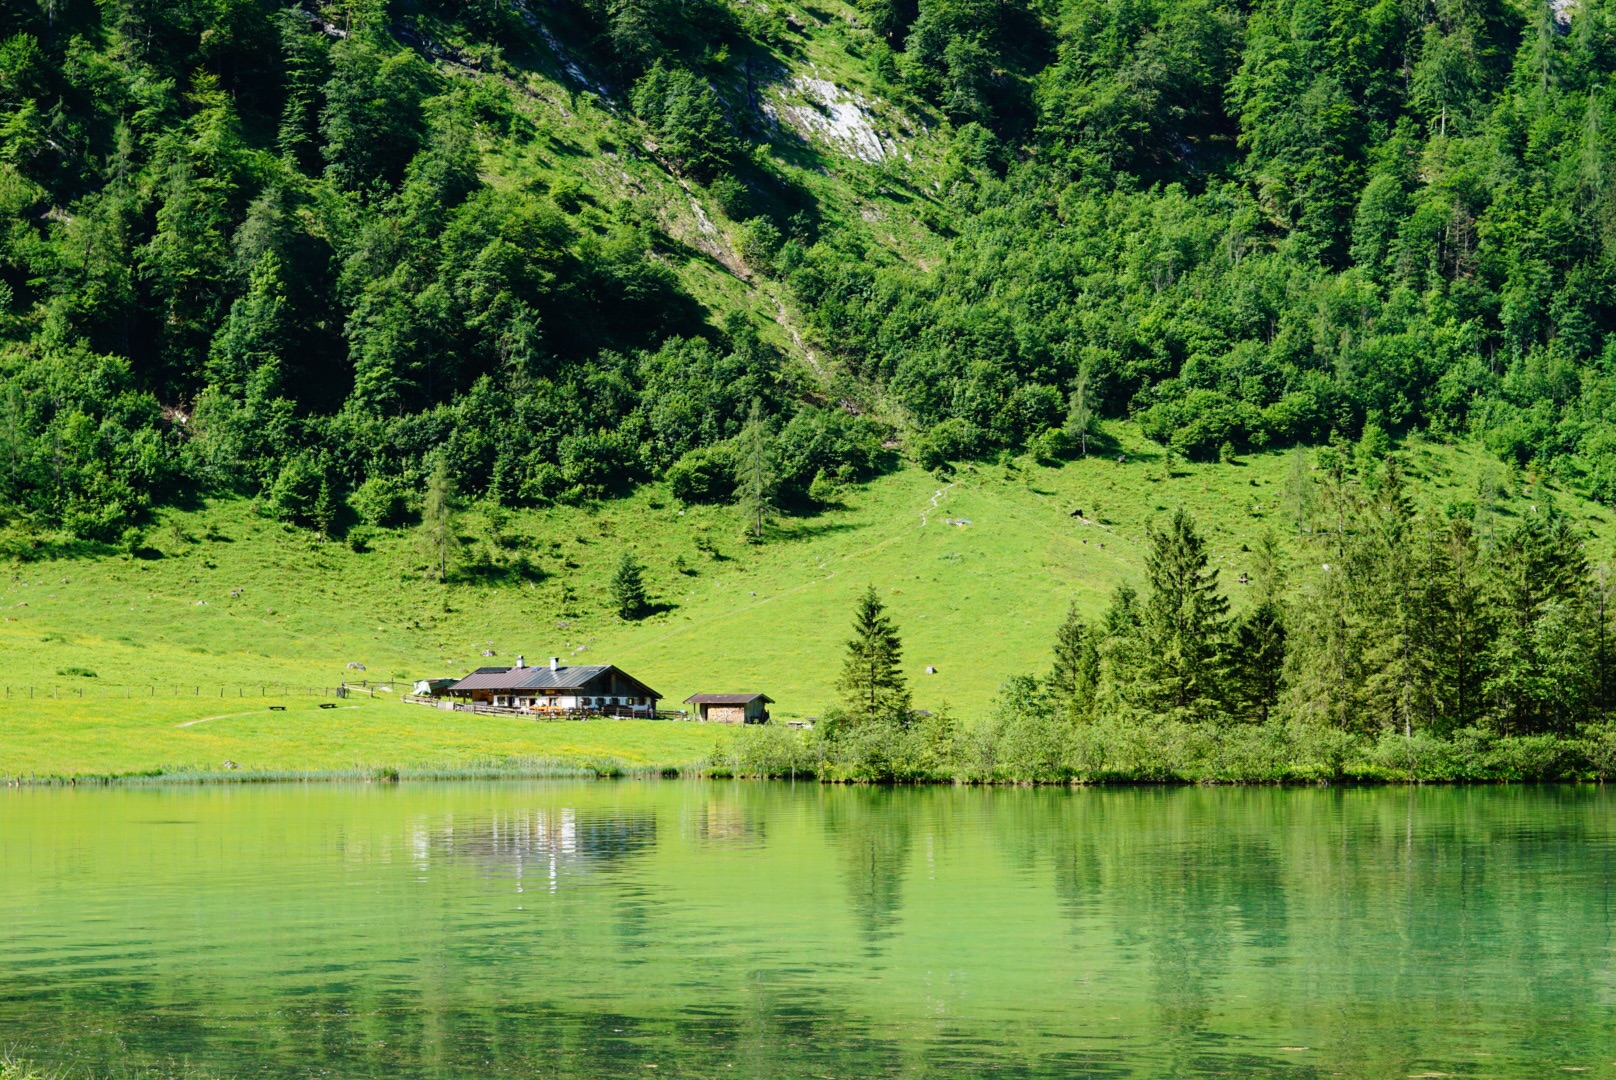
(379, 502)
(829, 442)
(703, 475)
(1028, 748)
(948, 441)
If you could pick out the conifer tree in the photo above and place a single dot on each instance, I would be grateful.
(628, 588)
(872, 682)
(1080, 414)
(1257, 644)
(1298, 490)
(1463, 667)
(756, 471)
(1330, 632)
(1076, 673)
(1395, 589)
(1183, 622)
(1120, 644)
(438, 518)
(1539, 678)
(326, 506)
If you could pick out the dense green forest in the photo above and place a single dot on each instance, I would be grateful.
(253, 248)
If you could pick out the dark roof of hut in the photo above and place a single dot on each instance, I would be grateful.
(727, 699)
(544, 678)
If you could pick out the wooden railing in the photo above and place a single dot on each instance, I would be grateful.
(543, 712)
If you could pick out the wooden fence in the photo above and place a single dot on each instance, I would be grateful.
(94, 692)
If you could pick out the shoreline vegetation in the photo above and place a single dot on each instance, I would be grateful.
(936, 749)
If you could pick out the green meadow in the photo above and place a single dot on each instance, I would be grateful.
(224, 606)
(214, 738)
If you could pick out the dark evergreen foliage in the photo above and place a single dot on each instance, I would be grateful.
(1182, 623)
(628, 588)
(1413, 627)
(872, 682)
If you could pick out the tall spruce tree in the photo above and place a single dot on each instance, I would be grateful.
(1257, 646)
(1080, 413)
(1076, 674)
(1184, 621)
(756, 471)
(438, 518)
(1395, 591)
(628, 588)
(1329, 632)
(1540, 679)
(872, 682)
(1463, 668)
(1120, 644)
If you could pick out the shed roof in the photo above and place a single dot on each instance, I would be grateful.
(543, 678)
(727, 699)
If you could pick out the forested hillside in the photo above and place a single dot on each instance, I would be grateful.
(296, 252)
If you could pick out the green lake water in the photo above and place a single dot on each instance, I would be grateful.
(679, 929)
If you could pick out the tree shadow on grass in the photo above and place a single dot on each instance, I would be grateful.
(813, 529)
(484, 571)
(22, 547)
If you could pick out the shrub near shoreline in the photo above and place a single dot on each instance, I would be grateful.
(1023, 749)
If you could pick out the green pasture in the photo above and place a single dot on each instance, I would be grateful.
(226, 604)
(175, 737)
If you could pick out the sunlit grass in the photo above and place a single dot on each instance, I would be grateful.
(359, 738)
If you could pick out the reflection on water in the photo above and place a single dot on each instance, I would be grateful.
(543, 840)
(735, 929)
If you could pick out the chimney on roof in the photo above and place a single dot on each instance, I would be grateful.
(555, 663)
(521, 661)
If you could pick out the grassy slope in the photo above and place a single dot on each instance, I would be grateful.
(978, 602)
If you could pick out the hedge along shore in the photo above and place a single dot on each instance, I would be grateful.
(939, 753)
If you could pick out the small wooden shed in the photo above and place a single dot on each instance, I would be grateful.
(731, 708)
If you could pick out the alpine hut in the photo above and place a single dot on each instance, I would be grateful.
(588, 689)
(731, 708)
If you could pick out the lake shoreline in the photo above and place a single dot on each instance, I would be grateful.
(390, 776)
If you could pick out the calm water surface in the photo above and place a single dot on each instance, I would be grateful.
(765, 930)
